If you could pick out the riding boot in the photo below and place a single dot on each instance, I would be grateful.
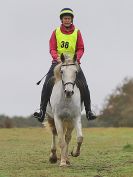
(87, 103)
(85, 94)
(46, 93)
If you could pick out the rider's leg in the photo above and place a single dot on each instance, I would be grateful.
(86, 95)
(46, 93)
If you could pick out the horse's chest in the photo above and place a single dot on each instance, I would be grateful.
(65, 107)
(66, 110)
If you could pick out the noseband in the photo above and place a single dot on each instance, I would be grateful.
(64, 84)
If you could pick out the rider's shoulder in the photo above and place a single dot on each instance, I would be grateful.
(57, 28)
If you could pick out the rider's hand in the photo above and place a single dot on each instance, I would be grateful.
(78, 60)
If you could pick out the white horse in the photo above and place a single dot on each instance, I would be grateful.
(64, 110)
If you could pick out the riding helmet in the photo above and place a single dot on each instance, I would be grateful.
(66, 11)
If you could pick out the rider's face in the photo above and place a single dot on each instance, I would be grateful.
(67, 21)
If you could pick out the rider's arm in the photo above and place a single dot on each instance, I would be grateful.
(53, 46)
(79, 46)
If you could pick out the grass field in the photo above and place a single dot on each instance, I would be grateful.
(106, 152)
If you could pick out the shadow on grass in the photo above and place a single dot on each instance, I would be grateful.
(128, 147)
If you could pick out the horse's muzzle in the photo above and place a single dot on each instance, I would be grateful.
(68, 93)
(69, 89)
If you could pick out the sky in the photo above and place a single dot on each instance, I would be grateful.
(25, 30)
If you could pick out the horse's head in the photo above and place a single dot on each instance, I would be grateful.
(68, 70)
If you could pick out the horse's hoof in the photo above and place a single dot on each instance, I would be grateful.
(68, 163)
(63, 164)
(53, 159)
(76, 154)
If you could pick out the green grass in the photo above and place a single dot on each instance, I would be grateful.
(106, 152)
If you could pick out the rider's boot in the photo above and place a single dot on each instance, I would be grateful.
(90, 115)
(44, 100)
(39, 115)
(85, 94)
(45, 97)
(87, 102)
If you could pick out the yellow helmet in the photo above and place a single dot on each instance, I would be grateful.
(66, 11)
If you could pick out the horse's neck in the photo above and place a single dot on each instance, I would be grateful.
(59, 100)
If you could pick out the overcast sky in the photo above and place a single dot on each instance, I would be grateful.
(25, 29)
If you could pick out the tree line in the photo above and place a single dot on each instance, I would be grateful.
(118, 107)
(18, 121)
(116, 112)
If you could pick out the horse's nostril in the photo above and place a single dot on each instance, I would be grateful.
(68, 94)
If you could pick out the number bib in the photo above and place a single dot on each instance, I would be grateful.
(66, 43)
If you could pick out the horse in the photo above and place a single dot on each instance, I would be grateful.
(64, 110)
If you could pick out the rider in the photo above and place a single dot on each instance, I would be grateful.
(64, 39)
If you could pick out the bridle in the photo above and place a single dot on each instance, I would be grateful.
(72, 83)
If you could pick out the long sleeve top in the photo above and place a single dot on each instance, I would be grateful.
(79, 43)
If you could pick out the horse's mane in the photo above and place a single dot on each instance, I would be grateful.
(57, 74)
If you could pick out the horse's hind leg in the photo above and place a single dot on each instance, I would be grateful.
(53, 156)
(78, 127)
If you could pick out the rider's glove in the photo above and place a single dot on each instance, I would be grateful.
(78, 60)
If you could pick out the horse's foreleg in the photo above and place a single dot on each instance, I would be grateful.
(53, 156)
(68, 139)
(62, 142)
(78, 127)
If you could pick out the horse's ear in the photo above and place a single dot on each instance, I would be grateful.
(75, 58)
(62, 58)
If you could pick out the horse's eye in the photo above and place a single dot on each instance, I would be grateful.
(61, 71)
(76, 72)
